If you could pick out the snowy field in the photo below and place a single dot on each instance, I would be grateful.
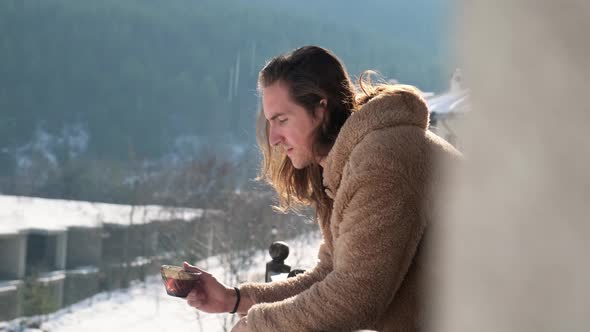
(146, 306)
(21, 213)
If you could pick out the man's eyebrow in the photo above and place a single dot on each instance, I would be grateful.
(275, 116)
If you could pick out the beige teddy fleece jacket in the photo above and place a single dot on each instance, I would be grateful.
(381, 174)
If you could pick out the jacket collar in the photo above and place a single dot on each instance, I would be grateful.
(396, 105)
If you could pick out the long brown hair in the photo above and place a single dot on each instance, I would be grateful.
(311, 74)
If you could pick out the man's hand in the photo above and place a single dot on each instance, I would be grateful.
(241, 325)
(210, 295)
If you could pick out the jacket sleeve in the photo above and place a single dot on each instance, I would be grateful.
(378, 235)
(280, 290)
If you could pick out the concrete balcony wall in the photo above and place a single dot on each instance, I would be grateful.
(84, 247)
(43, 270)
(13, 253)
(44, 294)
(80, 284)
(10, 300)
(46, 251)
(114, 237)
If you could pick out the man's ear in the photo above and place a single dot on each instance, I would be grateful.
(322, 108)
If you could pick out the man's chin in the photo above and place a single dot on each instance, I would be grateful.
(295, 164)
(299, 165)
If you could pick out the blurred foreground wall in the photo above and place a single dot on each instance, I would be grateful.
(515, 248)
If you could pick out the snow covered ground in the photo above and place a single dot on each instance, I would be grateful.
(21, 213)
(147, 307)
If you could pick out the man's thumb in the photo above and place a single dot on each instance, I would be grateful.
(187, 267)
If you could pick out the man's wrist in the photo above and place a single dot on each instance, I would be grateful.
(237, 304)
(231, 297)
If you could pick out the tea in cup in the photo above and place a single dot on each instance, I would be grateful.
(177, 281)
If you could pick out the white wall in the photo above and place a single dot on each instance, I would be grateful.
(516, 241)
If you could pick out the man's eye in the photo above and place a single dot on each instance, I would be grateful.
(282, 120)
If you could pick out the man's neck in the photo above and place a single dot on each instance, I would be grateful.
(323, 159)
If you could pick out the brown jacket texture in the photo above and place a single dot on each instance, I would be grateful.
(381, 174)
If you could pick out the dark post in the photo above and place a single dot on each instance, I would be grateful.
(279, 251)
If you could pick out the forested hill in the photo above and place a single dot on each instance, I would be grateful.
(101, 80)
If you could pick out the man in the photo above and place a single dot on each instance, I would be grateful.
(367, 163)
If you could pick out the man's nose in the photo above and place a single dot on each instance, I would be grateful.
(274, 138)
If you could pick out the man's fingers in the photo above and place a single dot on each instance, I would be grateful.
(192, 295)
(194, 302)
(195, 295)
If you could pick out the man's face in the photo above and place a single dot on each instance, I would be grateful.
(291, 126)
